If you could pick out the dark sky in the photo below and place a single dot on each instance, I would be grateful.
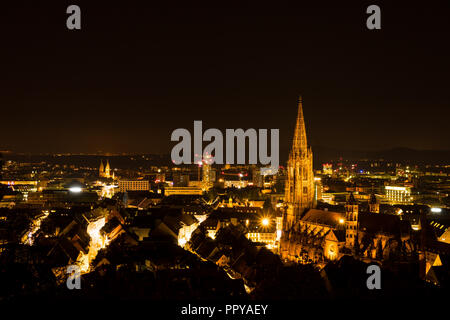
(136, 72)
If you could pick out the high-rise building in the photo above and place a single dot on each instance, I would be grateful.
(327, 169)
(299, 190)
(257, 177)
(206, 173)
(180, 179)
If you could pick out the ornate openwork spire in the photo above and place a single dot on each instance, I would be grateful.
(299, 143)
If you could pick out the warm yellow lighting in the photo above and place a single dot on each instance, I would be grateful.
(341, 221)
(265, 222)
(182, 242)
(395, 188)
(97, 242)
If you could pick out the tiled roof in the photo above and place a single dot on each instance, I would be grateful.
(329, 218)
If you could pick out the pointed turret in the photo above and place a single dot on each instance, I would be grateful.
(351, 199)
(101, 170)
(374, 206)
(107, 170)
(300, 143)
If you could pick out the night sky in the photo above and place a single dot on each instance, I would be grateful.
(136, 72)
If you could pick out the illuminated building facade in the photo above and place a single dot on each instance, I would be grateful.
(327, 168)
(207, 173)
(398, 194)
(182, 191)
(317, 236)
(134, 185)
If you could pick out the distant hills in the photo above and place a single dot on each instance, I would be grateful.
(321, 155)
(399, 155)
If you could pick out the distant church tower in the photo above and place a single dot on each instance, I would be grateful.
(107, 170)
(104, 172)
(299, 189)
(351, 222)
(374, 206)
(101, 170)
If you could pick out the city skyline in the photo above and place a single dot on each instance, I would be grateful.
(132, 75)
(220, 161)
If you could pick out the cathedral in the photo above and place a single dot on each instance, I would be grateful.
(299, 192)
(105, 171)
(310, 235)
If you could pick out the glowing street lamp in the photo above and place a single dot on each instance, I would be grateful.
(265, 222)
(75, 189)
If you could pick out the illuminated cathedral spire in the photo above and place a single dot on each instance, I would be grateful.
(299, 192)
(299, 143)
(107, 170)
(104, 171)
(101, 170)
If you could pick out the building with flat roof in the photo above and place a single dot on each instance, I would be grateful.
(169, 191)
(398, 194)
(134, 185)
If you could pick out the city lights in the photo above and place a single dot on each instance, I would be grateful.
(221, 162)
(75, 189)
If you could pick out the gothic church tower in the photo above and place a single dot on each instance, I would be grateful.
(101, 170)
(351, 222)
(299, 189)
(107, 170)
(374, 206)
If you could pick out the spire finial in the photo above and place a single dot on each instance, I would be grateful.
(299, 143)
